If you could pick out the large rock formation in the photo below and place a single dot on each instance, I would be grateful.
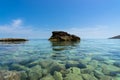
(63, 36)
(115, 37)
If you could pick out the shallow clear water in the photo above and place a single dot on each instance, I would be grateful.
(101, 54)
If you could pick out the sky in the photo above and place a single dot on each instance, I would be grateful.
(38, 18)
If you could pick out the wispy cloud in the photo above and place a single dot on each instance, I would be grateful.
(14, 28)
(17, 29)
(17, 22)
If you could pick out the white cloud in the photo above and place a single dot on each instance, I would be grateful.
(17, 22)
(17, 29)
(13, 28)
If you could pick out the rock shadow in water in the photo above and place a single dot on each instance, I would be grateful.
(63, 45)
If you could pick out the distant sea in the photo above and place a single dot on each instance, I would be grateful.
(98, 58)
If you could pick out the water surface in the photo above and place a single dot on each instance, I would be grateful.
(100, 54)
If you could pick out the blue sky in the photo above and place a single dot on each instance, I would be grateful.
(38, 18)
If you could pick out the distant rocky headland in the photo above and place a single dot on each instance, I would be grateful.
(115, 37)
(63, 36)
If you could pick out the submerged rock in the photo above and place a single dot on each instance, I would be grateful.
(74, 70)
(106, 69)
(48, 77)
(56, 67)
(63, 36)
(9, 75)
(88, 70)
(75, 64)
(26, 62)
(93, 63)
(45, 63)
(107, 78)
(73, 77)
(81, 65)
(71, 64)
(44, 72)
(116, 64)
(24, 75)
(116, 78)
(98, 74)
(98, 58)
(18, 67)
(73, 73)
(35, 73)
(114, 73)
(58, 76)
(89, 77)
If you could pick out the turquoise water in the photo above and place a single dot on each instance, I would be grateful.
(97, 59)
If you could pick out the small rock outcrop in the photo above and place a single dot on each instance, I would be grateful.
(12, 39)
(63, 36)
(115, 37)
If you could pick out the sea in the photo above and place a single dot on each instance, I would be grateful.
(40, 59)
